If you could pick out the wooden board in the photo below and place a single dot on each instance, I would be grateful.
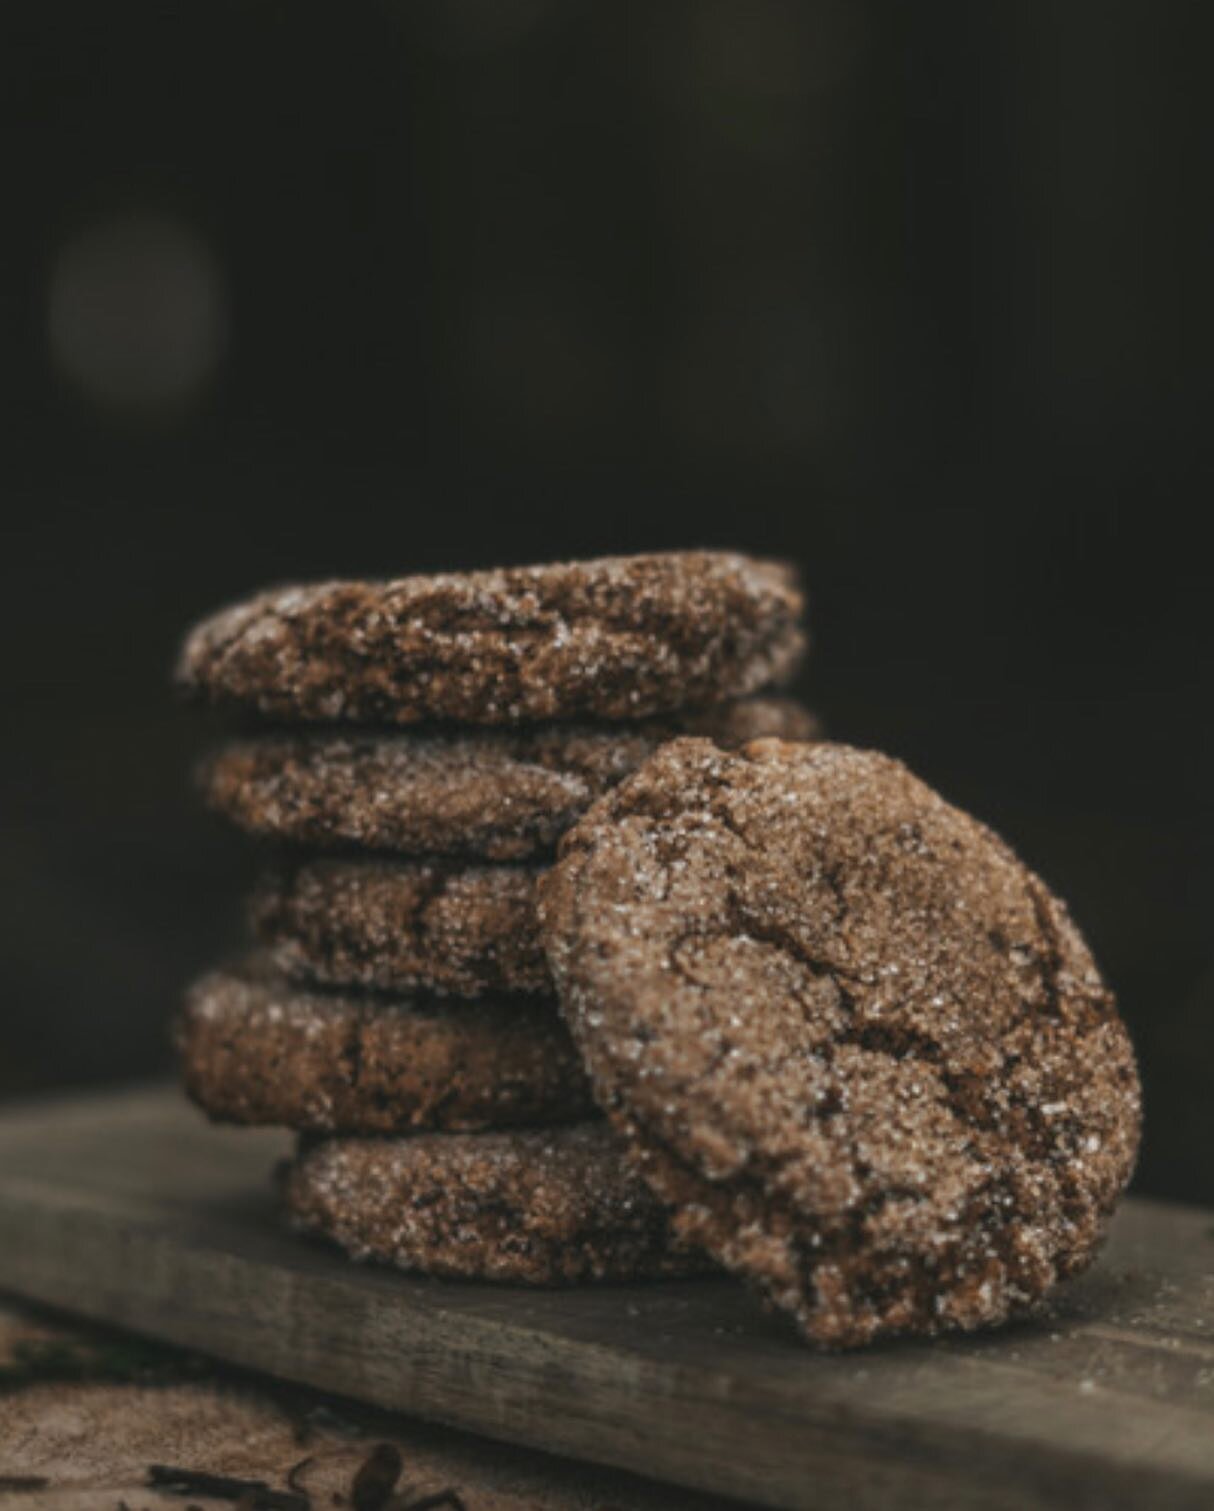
(130, 1210)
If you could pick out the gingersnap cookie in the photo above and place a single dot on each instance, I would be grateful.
(617, 638)
(849, 1036)
(548, 1207)
(497, 794)
(255, 1049)
(403, 926)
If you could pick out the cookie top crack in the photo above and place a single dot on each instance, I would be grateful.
(853, 1040)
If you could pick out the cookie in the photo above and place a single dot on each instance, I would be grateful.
(490, 794)
(255, 1049)
(547, 1207)
(403, 926)
(848, 1035)
(617, 638)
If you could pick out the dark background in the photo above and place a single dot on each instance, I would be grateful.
(912, 294)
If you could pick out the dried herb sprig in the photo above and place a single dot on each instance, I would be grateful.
(179, 1481)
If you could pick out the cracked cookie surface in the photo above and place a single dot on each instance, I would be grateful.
(550, 1207)
(497, 794)
(855, 1042)
(258, 1050)
(403, 926)
(615, 638)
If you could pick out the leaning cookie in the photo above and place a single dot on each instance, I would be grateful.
(403, 926)
(255, 1049)
(855, 1042)
(496, 794)
(616, 638)
(539, 1207)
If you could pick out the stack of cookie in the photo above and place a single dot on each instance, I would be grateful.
(848, 1045)
(421, 746)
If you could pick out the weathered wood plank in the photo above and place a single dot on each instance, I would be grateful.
(130, 1210)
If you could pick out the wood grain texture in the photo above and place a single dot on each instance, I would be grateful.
(130, 1210)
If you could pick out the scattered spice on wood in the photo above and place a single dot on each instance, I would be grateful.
(376, 1478)
(255, 1495)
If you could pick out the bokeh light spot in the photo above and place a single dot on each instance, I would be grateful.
(137, 314)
